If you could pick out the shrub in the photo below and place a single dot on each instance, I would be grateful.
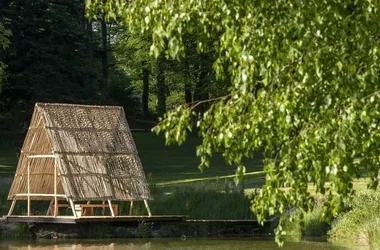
(361, 223)
(312, 224)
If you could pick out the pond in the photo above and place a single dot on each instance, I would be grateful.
(167, 244)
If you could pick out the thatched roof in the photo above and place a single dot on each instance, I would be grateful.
(95, 154)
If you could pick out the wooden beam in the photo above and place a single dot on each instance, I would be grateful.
(36, 173)
(130, 208)
(49, 208)
(28, 188)
(57, 153)
(89, 129)
(96, 153)
(103, 209)
(111, 209)
(12, 207)
(41, 195)
(147, 207)
(73, 208)
(55, 190)
(84, 212)
(103, 175)
(41, 156)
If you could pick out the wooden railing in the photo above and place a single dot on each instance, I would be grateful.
(89, 209)
(85, 209)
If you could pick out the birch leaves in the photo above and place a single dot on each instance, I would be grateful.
(305, 90)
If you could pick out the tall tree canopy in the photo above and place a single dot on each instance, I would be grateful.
(4, 44)
(305, 88)
(50, 57)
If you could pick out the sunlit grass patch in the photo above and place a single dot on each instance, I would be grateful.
(360, 224)
(220, 199)
(312, 224)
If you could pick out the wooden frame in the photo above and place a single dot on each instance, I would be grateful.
(12, 207)
(61, 161)
(130, 208)
(29, 194)
(147, 207)
(114, 209)
(55, 196)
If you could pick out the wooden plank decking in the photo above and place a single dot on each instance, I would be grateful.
(87, 219)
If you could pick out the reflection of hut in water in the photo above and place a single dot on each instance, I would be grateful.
(79, 154)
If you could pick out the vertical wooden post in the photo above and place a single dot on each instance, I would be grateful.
(110, 205)
(130, 208)
(73, 208)
(49, 208)
(28, 187)
(103, 208)
(55, 189)
(147, 207)
(12, 207)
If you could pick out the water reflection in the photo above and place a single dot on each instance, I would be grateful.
(165, 244)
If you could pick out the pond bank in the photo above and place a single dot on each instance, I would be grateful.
(358, 223)
(140, 229)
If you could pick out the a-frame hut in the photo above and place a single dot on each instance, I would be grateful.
(79, 153)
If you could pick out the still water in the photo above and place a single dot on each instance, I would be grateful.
(166, 244)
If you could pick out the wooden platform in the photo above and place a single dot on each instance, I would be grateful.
(127, 226)
(87, 219)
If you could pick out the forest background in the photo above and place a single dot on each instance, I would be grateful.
(50, 52)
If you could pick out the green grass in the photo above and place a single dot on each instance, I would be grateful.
(10, 147)
(169, 165)
(173, 165)
(360, 224)
(178, 186)
(220, 199)
(311, 226)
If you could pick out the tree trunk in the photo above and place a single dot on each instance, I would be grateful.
(89, 30)
(104, 53)
(88, 77)
(145, 92)
(161, 88)
(188, 96)
(200, 91)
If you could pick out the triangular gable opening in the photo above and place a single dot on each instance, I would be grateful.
(41, 170)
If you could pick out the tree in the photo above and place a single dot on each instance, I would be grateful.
(48, 58)
(161, 86)
(131, 55)
(4, 44)
(145, 90)
(305, 89)
(170, 83)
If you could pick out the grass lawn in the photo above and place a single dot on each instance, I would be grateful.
(173, 165)
(166, 166)
(173, 170)
(10, 147)
(179, 186)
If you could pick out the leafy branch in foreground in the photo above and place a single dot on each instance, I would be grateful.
(305, 89)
